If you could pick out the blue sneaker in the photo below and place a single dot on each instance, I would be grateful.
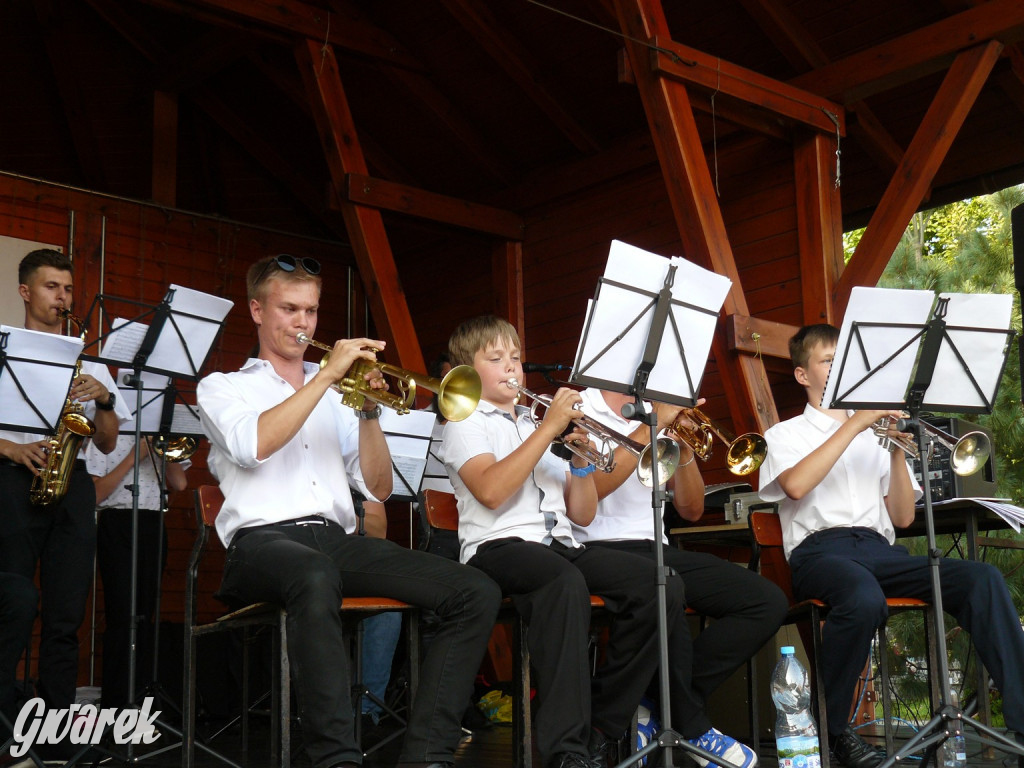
(725, 747)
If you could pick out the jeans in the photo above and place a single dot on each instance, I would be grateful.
(380, 638)
(307, 569)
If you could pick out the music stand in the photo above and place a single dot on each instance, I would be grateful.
(176, 342)
(42, 364)
(164, 414)
(910, 352)
(660, 315)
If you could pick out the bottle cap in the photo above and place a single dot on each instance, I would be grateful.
(788, 650)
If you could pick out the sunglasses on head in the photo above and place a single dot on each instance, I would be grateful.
(287, 263)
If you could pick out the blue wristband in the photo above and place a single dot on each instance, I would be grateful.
(581, 471)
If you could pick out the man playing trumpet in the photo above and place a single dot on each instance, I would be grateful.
(285, 450)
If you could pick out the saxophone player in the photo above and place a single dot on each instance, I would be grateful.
(59, 538)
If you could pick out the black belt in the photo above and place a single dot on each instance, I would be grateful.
(297, 522)
(4, 462)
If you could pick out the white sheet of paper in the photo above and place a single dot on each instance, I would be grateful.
(887, 384)
(185, 421)
(408, 438)
(154, 386)
(46, 385)
(616, 307)
(199, 334)
(169, 355)
(982, 353)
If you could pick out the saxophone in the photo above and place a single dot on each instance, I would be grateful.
(51, 484)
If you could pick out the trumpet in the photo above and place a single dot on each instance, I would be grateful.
(175, 449)
(746, 452)
(967, 454)
(602, 455)
(457, 393)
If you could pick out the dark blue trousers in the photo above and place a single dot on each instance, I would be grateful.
(854, 570)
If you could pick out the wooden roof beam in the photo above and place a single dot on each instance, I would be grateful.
(694, 203)
(905, 191)
(288, 19)
(58, 42)
(373, 255)
(478, 21)
(379, 193)
(688, 65)
(915, 54)
(800, 48)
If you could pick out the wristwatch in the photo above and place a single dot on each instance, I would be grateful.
(109, 405)
(369, 415)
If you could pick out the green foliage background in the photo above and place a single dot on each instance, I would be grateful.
(964, 247)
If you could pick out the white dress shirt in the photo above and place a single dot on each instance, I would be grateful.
(626, 513)
(309, 475)
(852, 494)
(536, 512)
(100, 464)
(99, 372)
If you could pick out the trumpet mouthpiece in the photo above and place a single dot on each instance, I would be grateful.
(302, 338)
(512, 383)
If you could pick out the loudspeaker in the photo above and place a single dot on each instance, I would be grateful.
(946, 484)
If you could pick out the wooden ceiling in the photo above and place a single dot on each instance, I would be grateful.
(505, 104)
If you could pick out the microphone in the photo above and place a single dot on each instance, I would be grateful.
(544, 367)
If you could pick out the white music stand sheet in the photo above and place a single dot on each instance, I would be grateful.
(46, 385)
(197, 316)
(620, 316)
(408, 438)
(860, 373)
(154, 388)
(880, 339)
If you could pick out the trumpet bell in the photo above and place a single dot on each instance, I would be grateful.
(667, 454)
(970, 453)
(457, 393)
(746, 454)
(177, 449)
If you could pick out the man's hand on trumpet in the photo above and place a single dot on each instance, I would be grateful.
(669, 414)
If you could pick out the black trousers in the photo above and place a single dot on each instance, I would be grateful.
(61, 540)
(307, 569)
(551, 588)
(854, 570)
(747, 609)
(18, 600)
(114, 557)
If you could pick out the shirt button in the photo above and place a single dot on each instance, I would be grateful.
(306, 447)
(314, 482)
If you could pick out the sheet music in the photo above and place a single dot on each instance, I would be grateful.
(154, 386)
(169, 355)
(435, 476)
(860, 354)
(1011, 514)
(982, 353)
(46, 385)
(408, 438)
(185, 421)
(619, 319)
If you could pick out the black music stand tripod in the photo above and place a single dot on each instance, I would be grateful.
(183, 357)
(948, 720)
(664, 312)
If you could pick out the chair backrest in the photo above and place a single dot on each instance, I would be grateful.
(442, 510)
(766, 533)
(209, 500)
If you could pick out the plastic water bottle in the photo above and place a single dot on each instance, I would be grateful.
(954, 749)
(796, 735)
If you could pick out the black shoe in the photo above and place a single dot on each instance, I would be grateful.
(851, 751)
(603, 750)
(571, 760)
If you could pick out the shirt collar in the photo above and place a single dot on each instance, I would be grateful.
(487, 407)
(259, 364)
(819, 419)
